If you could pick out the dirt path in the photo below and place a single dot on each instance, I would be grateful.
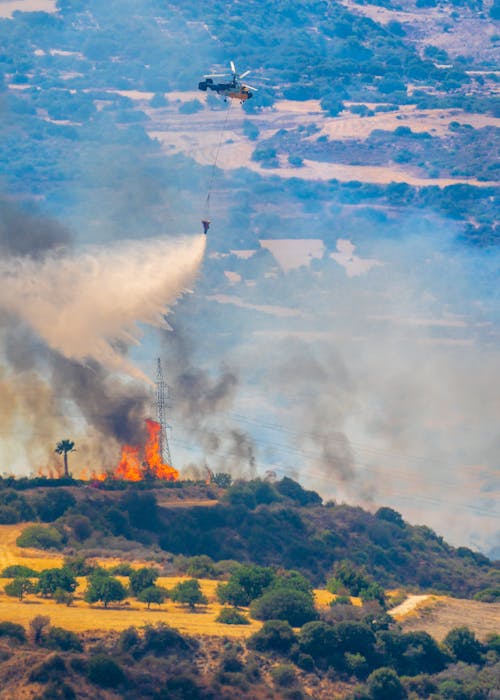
(408, 605)
(11, 554)
(188, 503)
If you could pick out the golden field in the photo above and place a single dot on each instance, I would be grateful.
(81, 616)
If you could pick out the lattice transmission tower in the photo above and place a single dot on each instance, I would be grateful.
(161, 413)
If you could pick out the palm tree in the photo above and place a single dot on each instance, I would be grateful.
(62, 448)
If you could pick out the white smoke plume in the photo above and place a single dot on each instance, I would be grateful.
(82, 303)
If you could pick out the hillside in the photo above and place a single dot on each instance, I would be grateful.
(270, 525)
(347, 647)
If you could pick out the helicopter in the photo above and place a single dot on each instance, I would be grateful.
(232, 87)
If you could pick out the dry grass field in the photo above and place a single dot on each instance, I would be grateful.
(81, 616)
(10, 553)
(437, 615)
(434, 614)
(198, 136)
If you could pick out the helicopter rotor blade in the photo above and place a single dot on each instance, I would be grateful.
(250, 87)
(232, 66)
(217, 75)
(243, 75)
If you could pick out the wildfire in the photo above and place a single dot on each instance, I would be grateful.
(136, 464)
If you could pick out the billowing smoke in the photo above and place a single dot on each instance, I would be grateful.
(67, 319)
(202, 404)
(82, 304)
(24, 233)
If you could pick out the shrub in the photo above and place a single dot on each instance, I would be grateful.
(38, 626)
(63, 597)
(489, 595)
(40, 537)
(81, 526)
(49, 669)
(12, 630)
(55, 690)
(389, 514)
(293, 490)
(341, 600)
(295, 607)
(64, 640)
(284, 675)
(274, 635)
(104, 671)
(16, 570)
(128, 640)
(53, 504)
(493, 642)
(162, 639)
(230, 616)
(8, 515)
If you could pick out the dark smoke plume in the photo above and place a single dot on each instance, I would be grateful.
(66, 321)
(201, 405)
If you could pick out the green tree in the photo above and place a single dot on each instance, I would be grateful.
(52, 579)
(142, 578)
(292, 580)
(232, 593)
(62, 448)
(319, 640)
(152, 594)
(104, 588)
(384, 684)
(188, 593)
(463, 645)
(19, 587)
(295, 607)
(274, 635)
(247, 582)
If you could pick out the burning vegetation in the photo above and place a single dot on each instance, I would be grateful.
(137, 463)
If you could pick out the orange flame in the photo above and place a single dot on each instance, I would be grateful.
(132, 468)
